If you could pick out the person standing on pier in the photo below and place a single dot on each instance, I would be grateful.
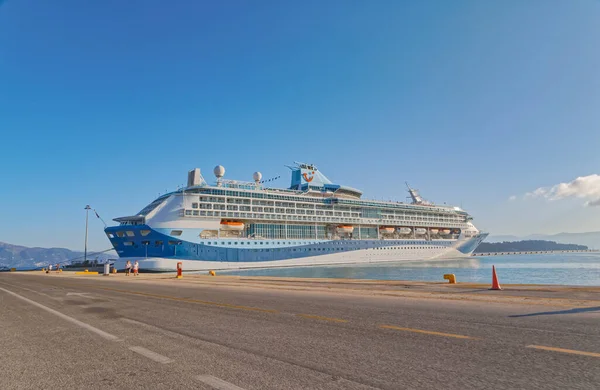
(127, 268)
(136, 267)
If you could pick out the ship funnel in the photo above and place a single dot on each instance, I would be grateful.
(195, 178)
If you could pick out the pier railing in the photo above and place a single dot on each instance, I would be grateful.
(532, 252)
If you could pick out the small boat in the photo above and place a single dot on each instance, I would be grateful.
(444, 231)
(232, 225)
(434, 231)
(421, 231)
(386, 230)
(404, 230)
(345, 229)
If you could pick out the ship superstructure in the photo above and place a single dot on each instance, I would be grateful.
(236, 224)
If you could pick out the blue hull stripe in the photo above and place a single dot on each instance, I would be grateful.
(258, 250)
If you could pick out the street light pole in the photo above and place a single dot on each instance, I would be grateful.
(87, 210)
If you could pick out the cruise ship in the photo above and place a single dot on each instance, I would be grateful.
(233, 224)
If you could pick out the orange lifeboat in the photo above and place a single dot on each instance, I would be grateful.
(232, 225)
(445, 231)
(386, 230)
(345, 229)
(434, 231)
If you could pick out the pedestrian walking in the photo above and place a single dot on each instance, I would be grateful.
(127, 268)
(136, 267)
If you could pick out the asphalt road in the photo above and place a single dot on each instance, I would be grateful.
(118, 332)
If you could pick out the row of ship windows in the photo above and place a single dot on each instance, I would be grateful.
(307, 212)
(310, 212)
(203, 213)
(270, 210)
(131, 233)
(334, 243)
(247, 194)
(172, 243)
(206, 204)
(176, 233)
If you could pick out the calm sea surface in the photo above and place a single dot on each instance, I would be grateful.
(565, 268)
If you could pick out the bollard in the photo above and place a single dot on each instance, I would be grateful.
(450, 278)
(179, 270)
(211, 273)
(114, 270)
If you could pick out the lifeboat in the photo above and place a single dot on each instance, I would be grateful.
(404, 230)
(421, 231)
(232, 225)
(345, 229)
(434, 231)
(386, 230)
(456, 231)
(444, 231)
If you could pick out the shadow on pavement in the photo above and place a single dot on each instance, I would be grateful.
(548, 313)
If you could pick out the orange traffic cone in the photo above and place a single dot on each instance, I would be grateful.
(495, 284)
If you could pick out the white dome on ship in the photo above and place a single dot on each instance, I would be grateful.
(257, 176)
(219, 171)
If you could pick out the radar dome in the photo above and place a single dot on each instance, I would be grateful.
(257, 176)
(219, 171)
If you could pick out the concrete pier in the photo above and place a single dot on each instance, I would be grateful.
(156, 331)
(531, 252)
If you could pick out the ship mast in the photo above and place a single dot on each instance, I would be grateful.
(415, 196)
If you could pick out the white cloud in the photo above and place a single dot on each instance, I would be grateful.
(584, 187)
(512, 197)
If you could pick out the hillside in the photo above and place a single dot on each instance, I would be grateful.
(527, 246)
(589, 239)
(24, 257)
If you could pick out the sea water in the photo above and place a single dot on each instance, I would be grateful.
(581, 269)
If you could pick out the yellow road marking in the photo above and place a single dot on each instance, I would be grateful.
(457, 336)
(321, 318)
(571, 351)
(227, 305)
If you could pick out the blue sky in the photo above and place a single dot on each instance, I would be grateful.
(111, 102)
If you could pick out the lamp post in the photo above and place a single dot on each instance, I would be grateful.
(87, 210)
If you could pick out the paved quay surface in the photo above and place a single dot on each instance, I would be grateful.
(225, 332)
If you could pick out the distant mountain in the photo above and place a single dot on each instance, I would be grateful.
(527, 246)
(502, 238)
(22, 257)
(589, 239)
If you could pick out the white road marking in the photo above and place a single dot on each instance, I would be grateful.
(33, 291)
(217, 383)
(151, 355)
(134, 322)
(84, 295)
(99, 332)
